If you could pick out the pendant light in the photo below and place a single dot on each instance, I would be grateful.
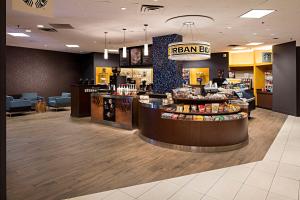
(105, 48)
(124, 46)
(146, 49)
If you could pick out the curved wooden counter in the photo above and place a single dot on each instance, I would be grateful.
(203, 136)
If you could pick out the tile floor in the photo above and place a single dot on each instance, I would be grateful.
(276, 177)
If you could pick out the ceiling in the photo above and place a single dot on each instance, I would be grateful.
(91, 18)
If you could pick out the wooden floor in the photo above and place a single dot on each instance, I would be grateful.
(52, 156)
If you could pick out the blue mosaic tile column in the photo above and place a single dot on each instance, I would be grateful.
(166, 74)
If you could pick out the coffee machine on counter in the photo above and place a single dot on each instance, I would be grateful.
(116, 79)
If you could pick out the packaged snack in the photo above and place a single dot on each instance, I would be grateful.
(198, 117)
(186, 108)
(189, 117)
(221, 108)
(201, 108)
(181, 116)
(219, 118)
(208, 108)
(179, 108)
(214, 108)
(208, 118)
(174, 116)
(194, 108)
(166, 115)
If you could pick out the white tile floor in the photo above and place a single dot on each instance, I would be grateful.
(276, 177)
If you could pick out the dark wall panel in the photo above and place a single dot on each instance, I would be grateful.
(298, 81)
(218, 61)
(166, 73)
(112, 61)
(2, 102)
(46, 72)
(87, 66)
(285, 78)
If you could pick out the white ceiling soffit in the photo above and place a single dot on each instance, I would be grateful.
(91, 18)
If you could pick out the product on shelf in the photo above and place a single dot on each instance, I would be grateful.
(198, 118)
(215, 108)
(186, 108)
(173, 116)
(181, 116)
(201, 108)
(189, 117)
(179, 108)
(208, 108)
(144, 99)
(193, 108)
(195, 94)
(268, 82)
(221, 108)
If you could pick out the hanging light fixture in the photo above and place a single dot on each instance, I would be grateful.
(189, 50)
(124, 54)
(146, 49)
(105, 48)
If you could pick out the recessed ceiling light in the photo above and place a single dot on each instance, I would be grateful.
(72, 45)
(18, 34)
(229, 27)
(28, 31)
(268, 47)
(40, 26)
(256, 14)
(254, 33)
(123, 8)
(113, 50)
(254, 43)
(238, 48)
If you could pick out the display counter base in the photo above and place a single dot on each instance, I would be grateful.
(114, 124)
(196, 149)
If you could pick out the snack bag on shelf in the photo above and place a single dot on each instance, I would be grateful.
(219, 118)
(208, 108)
(221, 108)
(201, 108)
(214, 108)
(179, 108)
(194, 108)
(208, 118)
(186, 108)
(174, 116)
(189, 117)
(181, 116)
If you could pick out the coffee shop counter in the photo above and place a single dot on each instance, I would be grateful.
(191, 135)
(114, 110)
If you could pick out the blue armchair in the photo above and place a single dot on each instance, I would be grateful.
(32, 97)
(17, 105)
(60, 101)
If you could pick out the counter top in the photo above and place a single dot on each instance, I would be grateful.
(113, 96)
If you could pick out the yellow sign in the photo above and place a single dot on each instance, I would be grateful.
(189, 51)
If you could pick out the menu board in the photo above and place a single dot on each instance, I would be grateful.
(124, 61)
(136, 56)
(109, 108)
(147, 60)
